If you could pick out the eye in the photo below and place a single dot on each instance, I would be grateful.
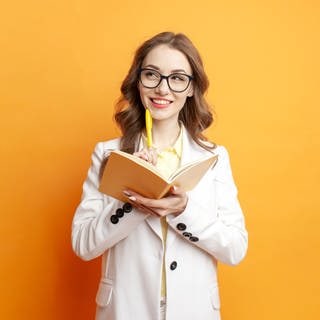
(150, 74)
(178, 77)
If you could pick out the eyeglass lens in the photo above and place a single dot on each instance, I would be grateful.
(176, 81)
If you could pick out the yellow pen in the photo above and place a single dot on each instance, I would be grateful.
(148, 128)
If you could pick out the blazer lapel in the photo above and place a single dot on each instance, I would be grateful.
(190, 150)
(155, 225)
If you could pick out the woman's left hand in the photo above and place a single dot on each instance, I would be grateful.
(174, 203)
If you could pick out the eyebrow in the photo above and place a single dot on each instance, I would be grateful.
(157, 68)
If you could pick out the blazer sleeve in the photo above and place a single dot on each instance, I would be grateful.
(218, 229)
(92, 230)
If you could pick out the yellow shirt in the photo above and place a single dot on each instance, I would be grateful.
(168, 161)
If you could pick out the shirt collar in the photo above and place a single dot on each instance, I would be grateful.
(175, 148)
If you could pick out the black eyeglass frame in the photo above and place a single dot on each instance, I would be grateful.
(167, 79)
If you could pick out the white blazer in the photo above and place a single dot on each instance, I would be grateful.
(210, 229)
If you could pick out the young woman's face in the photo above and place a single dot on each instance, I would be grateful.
(163, 103)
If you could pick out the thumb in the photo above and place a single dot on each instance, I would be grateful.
(176, 190)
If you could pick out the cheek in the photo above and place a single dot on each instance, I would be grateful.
(142, 93)
(182, 101)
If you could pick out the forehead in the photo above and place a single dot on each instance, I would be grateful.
(167, 59)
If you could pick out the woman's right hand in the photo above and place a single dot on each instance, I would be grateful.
(148, 154)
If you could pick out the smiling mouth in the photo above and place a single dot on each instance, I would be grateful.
(160, 102)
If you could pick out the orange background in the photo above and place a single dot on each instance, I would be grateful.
(61, 65)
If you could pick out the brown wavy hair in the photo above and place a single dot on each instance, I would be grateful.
(195, 115)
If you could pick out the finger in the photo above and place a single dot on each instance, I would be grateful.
(144, 209)
(143, 154)
(140, 207)
(153, 156)
(134, 196)
(175, 190)
(139, 200)
(149, 206)
(150, 210)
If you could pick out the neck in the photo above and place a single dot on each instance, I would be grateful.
(165, 134)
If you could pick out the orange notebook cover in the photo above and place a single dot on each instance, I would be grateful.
(125, 171)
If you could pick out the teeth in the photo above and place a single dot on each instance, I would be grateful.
(161, 101)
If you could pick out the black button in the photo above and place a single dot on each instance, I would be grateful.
(194, 239)
(173, 265)
(181, 226)
(187, 234)
(119, 213)
(127, 207)
(114, 219)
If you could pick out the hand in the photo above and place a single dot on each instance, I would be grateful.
(148, 154)
(174, 203)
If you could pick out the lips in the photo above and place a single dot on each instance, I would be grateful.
(160, 103)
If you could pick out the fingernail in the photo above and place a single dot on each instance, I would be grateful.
(128, 194)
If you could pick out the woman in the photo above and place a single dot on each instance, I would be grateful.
(159, 257)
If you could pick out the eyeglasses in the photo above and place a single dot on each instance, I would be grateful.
(177, 82)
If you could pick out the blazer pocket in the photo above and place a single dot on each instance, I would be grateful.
(104, 293)
(215, 297)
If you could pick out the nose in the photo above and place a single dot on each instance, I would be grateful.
(163, 87)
